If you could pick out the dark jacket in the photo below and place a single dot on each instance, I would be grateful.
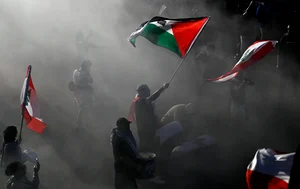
(146, 120)
(11, 152)
(125, 152)
(23, 182)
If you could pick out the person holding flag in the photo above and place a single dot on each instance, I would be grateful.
(176, 35)
(11, 150)
(146, 120)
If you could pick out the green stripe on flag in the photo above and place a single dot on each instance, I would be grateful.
(161, 37)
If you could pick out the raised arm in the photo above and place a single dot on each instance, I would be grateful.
(157, 93)
(36, 179)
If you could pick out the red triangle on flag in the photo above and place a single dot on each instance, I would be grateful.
(186, 32)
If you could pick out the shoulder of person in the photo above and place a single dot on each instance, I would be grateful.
(178, 107)
(11, 145)
(141, 100)
(76, 72)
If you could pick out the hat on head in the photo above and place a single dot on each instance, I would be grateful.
(142, 87)
(10, 129)
(122, 121)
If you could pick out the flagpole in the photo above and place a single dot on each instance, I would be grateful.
(181, 62)
(24, 100)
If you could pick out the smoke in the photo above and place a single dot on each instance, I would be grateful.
(43, 33)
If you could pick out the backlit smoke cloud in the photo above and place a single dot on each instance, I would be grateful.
(43, 32)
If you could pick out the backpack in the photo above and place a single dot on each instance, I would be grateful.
(71, 86)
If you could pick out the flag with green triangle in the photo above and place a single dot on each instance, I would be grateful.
(177, 35)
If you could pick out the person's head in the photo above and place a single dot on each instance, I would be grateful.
(86, 65)
(143, 91)
(123, 124)
(16, 169)
(10, 133)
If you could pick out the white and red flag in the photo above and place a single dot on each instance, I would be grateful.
(30, 105)
(270, 169)
(254, 53)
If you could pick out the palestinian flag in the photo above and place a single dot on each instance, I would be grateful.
(30, 105)
(254, 53)
(270, 169)
(177, 35)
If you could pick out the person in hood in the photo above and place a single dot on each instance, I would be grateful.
(18, 180)
(146, 120)
(11, 150)
(83, 92)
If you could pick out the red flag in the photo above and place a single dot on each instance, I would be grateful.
(131, 116)
(269, 170)
(177, 35)
(30, 105)
(254, 53)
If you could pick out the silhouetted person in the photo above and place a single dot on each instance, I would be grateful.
(83, 92)
(125, 155)
(252, 23)
(11, 150)
(184, 114)
(238, 108)
(146, 120)
(288, 61)
(18, 180)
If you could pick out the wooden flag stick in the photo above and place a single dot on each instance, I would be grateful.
(181, 62)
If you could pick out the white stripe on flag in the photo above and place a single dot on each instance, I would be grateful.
(254, 53)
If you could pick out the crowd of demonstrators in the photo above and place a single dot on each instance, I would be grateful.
(18, 179)
(13, 161)
(255, 22)
(134, 161)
